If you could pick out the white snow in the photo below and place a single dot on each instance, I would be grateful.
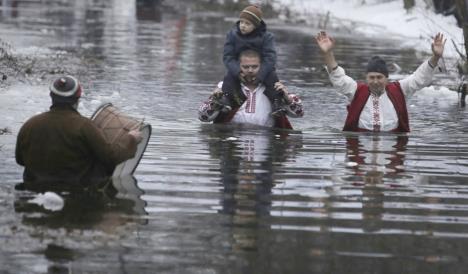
(21, 101)
(382, 19)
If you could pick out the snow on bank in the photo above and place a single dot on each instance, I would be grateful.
(377, 18)
(30, 100)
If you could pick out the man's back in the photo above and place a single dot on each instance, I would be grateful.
(57, 146)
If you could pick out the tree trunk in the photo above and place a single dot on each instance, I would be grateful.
(408, 4)
(462, 7)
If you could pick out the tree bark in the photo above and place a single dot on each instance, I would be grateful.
(408, 4)
(462, 7)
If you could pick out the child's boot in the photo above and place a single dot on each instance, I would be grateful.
(278, 109)
(225, 103)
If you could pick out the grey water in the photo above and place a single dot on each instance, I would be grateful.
(222, 199)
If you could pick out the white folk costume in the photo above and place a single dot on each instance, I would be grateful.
(254, 109)
(386, 112)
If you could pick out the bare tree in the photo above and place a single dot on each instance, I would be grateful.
(462, 7)
(408, 4)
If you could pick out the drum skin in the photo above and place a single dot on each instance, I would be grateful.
(114, 125)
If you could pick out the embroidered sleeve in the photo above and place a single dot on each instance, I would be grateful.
(208, 110)
(419, 79)
(342, 82)
(295, 108)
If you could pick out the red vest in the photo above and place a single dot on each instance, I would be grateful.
(396, 96)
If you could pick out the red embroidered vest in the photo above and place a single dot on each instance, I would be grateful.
(396, 96)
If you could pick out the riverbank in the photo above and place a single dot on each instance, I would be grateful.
(377, 18)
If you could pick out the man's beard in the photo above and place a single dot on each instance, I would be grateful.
(250, 79)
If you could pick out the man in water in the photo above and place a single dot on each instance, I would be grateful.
(378, 104)
(61, 147)
(251, 105)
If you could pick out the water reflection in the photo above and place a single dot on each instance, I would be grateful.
(253, 203)
(149, 10)
(105, 207)
(369, 155)
(376, 160)
(9, 8)
(62, 240)
(250, 165)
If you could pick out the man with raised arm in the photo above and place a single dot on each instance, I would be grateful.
(378, 104)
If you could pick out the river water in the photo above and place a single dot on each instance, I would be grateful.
(208, 199)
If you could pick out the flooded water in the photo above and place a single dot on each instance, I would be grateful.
(218, 199)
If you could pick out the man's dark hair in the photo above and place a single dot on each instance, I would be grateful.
(250, 53)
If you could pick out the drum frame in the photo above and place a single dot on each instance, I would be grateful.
(143, 127)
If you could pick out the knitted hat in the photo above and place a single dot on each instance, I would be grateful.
(253, 14)
(65, 89)
(377, 64)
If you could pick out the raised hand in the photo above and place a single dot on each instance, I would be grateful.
(438, 45)
(326, 43)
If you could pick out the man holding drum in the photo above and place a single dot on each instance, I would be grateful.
(64, 148)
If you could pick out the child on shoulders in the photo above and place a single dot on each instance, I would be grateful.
(250, 32)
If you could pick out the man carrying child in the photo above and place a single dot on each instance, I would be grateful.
(250, 32)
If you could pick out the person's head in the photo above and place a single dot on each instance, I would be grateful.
(377, 75)
(250, 63)
(249, 19)
(65, 90)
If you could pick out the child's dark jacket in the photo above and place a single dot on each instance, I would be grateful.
(259, 40)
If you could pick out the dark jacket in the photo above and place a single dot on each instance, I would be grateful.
(61, 146)
(259, 40)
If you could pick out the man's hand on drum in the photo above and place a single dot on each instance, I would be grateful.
(136, 134)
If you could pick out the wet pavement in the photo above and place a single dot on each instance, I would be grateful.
(220, 199)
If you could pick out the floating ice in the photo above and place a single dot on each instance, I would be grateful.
(49, 200)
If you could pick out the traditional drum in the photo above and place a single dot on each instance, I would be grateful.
(115, 125)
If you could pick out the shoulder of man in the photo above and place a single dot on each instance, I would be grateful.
(393, 84)
(36, 119)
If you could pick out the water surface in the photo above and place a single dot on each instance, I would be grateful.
(221, 199)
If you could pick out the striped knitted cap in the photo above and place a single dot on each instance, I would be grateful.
(65, 90)
(253, 14)
(66, 86)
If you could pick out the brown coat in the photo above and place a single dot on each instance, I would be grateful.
(61, 146)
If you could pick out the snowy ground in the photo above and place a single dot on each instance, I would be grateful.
(380, 17)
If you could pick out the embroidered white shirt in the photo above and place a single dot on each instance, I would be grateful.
(256, 109)
(379, 114)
